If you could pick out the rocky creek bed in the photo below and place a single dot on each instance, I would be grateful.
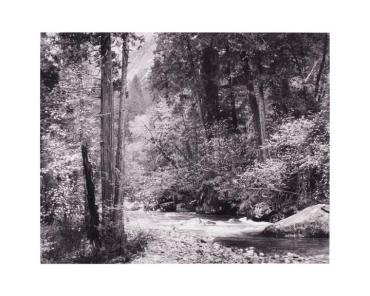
(188, 238)
(169, 246)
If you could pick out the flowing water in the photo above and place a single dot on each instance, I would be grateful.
(229, 231)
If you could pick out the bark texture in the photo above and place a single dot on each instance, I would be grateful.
(92, 211)
(210, 77)
(120, 152)
(231, 95)
(257, 106)
(322, 65)
(106, 126)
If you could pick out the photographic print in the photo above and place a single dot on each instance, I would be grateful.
(184, 148)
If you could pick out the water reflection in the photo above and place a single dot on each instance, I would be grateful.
(267, 245)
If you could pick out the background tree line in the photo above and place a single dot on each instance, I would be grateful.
(240, 124)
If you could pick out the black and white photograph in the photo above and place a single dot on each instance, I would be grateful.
(184, 147)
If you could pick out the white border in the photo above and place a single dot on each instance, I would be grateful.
(21, 23)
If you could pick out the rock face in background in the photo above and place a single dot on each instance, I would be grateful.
(140, 62)
(311, 222)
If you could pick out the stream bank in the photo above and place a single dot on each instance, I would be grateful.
(194, 238)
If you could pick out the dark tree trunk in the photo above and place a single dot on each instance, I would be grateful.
(92, 212)
(196, 85)
(234, 118)
(122, 114)
(106, 126)
(252, 98)
(259, 123)
(210, 76)
(322, 65)
(284, 95)
(231, 96)
(262, 110)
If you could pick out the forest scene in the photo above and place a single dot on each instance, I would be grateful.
(184, 147)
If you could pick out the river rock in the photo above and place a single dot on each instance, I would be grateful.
(181, 207)
(133, 206)
(198, 221)
(261, 211)
(251, 223)
(167, 207)
(234, 220)
(249, 253)
(312, 221)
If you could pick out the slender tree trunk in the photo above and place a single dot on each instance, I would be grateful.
(254, 105)
(234, 118)
(325, 49)
(284, 95)
(106, 127)
(122, 114)
(188, 148)
(196, 87)
(92, 212)
(262, 111)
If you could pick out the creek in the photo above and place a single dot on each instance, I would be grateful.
(228, 231)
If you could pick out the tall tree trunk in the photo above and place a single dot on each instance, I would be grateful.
(262, 111)
(284, 94)
(196, 86)
(210, 76)
(231, 96)
(318, 78)
(122, 115)
(106, 127)
(234, 118)
(254, 105)
(92, 212)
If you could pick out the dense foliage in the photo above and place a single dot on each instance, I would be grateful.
(200, 144)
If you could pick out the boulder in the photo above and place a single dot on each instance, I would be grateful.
(234, 220)
(167, 207)
(192, 205)
(133, 206)
(252, 223)
(181, 207)
(261, 211)
(197, 222)
(312, 221)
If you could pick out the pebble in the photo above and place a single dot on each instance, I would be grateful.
(249, 253)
